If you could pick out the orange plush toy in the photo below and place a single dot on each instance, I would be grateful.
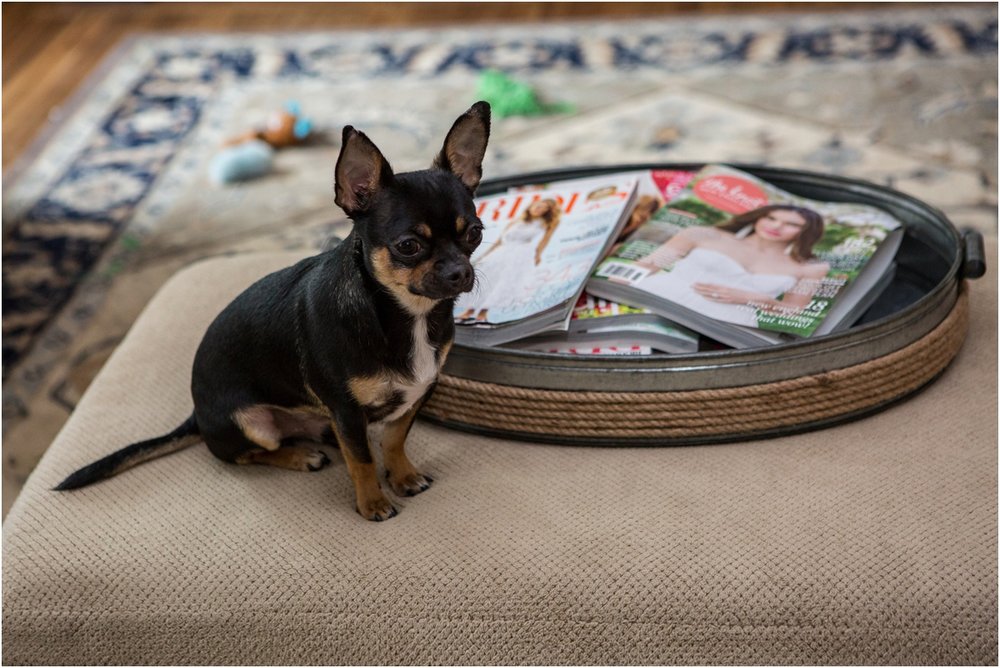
(284, 128)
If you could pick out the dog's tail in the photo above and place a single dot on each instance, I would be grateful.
(137, 453)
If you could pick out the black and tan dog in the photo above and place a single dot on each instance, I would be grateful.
(352, 338)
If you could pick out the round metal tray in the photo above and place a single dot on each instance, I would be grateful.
(932, 262)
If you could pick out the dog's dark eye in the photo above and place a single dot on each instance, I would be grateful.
(408, 247)
(474, 235)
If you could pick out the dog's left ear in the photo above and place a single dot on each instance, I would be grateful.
(465, 146)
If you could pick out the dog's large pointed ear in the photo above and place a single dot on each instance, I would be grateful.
(361, 171)
(465, 146)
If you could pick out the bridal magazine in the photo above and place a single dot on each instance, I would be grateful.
(746, 263)
(538, 248)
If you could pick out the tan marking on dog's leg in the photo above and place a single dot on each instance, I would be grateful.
(257, 424)
(371, 502)
(292, 457)
(403, 476)
(370, 390)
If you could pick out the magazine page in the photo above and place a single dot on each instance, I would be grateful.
(594, 314)
(573, 349)
(601, 324)
(661, 335)
(738, 250)
(589, 308)
(654, 188)
(539, 248)
(658, 336)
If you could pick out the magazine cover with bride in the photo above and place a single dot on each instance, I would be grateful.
(538, 249)
(745, 262)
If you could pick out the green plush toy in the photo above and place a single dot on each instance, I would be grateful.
(508, 97)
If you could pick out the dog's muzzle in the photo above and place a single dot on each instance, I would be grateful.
(449, 280)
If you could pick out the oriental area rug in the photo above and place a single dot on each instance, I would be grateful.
(118, 195)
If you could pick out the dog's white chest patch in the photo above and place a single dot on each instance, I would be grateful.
(423, 366)
(423, 359)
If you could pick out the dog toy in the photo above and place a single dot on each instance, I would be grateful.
(284, 128)
(508, 97)
(242, 162)
(252, 154)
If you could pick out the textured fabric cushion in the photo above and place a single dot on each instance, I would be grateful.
(872, 542)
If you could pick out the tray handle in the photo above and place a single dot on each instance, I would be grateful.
(974, 254)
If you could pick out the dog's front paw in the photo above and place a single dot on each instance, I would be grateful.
(377, 510)
(410, 484)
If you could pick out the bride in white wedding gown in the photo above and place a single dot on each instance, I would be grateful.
(508, 267)
(760, 259)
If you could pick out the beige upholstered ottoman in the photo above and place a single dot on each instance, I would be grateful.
(872, 542)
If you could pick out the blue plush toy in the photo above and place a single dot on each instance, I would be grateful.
(242, 162)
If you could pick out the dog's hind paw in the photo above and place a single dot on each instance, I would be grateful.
(316, 460)
(292, 457)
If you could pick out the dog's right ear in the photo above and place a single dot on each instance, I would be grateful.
(361, 171)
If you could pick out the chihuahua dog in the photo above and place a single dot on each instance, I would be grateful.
(346, 340)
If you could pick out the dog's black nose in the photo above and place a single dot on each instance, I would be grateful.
(454, 275)
(458, 275)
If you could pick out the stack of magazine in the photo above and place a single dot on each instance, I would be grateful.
(665, 261)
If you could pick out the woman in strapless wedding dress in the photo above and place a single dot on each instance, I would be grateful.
(507, 269)
(703, 265)
(505, 273)
(716, 271)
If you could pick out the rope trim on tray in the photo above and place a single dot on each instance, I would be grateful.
(687, 414)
